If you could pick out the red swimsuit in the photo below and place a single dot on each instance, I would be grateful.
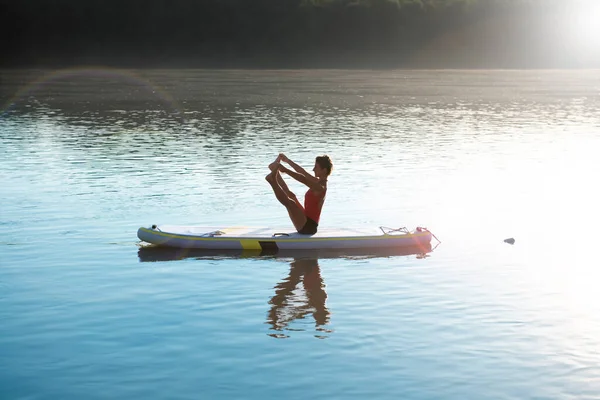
(313, 204)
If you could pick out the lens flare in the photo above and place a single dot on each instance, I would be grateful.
(110, 74)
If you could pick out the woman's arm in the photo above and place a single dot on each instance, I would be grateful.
(292, 164)
(309, 180)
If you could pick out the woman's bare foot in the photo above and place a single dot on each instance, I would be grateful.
(274, 166)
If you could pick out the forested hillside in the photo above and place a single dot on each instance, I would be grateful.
(291, 33)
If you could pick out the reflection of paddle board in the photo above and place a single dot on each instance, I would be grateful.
(269, 239)
(151, 253)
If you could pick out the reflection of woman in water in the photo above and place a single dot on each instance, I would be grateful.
(289, 303)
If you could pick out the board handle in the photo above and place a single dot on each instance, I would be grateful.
(213, 234)
(281, 234)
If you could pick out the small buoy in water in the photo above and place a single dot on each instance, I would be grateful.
(509, 241)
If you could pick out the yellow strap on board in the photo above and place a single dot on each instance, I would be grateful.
(250, 244)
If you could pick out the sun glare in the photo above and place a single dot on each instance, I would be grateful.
(584, 23)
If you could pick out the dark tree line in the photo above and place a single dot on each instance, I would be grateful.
(236, 33)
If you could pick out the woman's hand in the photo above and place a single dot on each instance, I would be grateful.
(282, 157)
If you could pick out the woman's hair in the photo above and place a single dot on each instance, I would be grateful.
(325, 162)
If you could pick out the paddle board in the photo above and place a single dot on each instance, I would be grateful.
(271, 239)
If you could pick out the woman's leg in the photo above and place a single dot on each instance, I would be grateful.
(295, 212)
(282, 184)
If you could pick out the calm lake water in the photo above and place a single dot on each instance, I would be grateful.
(89, 155)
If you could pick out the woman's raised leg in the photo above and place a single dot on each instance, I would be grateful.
(288, 199)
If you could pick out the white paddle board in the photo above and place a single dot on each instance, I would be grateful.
(272, 239)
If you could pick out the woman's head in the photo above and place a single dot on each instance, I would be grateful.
(324, 164)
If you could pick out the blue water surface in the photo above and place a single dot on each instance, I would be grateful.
(87, 156)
